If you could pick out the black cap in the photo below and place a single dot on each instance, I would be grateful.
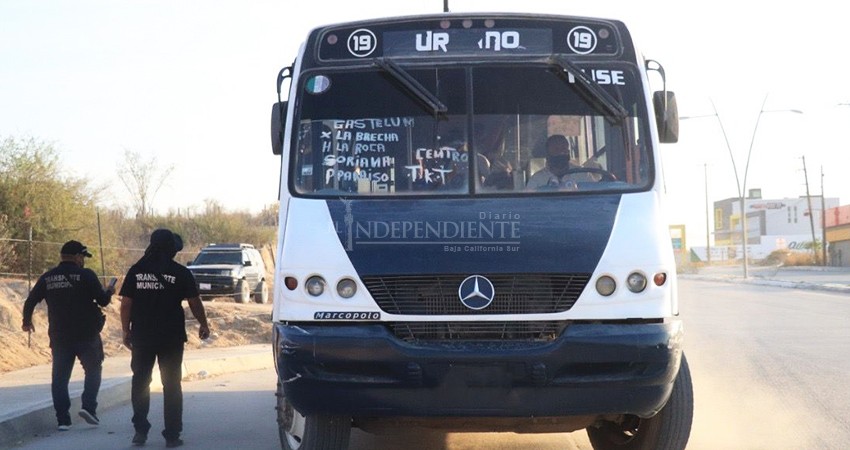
(164, 239)
(75, 248)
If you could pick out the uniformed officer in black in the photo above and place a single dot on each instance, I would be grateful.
(155, 329)
(74, 296)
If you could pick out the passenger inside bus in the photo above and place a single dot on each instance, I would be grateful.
(483, 167)
(501, 175)
(490, 144)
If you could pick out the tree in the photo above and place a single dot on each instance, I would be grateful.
(35, 195)
(6, 247)
(143, 179)
(269, 215)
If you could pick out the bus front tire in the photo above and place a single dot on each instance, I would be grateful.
(667, 430)
(311, 432)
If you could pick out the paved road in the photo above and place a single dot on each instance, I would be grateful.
(236, 411)
(769, 368)
(229, 411)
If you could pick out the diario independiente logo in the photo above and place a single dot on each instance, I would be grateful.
(476, 231)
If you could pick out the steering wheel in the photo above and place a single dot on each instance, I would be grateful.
(605, 175)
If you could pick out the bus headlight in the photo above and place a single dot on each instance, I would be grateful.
(636, 282)
(346, 288)
(315, 286)
(605, 285)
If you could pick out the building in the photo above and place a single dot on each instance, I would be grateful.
(838, 236)
(781, 224)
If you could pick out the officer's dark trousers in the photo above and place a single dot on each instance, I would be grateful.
(170, 358)
(90, 353)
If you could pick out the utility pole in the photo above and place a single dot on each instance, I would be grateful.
(100, 242)
(823, 219)
(811, 213)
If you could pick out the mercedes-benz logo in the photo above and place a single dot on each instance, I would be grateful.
(476, 292)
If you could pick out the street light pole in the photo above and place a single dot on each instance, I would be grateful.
(734, 170)
(742, 193)
(728, 147)
(744, 185)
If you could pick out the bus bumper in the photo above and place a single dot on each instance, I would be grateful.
(591, 369)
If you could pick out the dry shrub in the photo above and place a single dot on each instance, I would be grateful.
(789, 258)
(232, 324)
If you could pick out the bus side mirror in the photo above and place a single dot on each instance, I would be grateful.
(666, 116)
(278, 121)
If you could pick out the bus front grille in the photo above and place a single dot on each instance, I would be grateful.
(513, 294)
(534, 331)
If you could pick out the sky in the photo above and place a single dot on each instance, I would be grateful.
(191, 85)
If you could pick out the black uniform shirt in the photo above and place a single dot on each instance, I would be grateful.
(73, 295)
(156, 314)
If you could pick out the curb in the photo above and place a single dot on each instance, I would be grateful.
(39, 418)
(768, 282)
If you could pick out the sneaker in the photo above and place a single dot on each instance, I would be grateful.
(140, 438)
(64, 427)
(171, 443)
(89, 417)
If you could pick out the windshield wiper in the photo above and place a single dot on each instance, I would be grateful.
(590, 88)
(412, 86)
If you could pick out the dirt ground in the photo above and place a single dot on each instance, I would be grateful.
(231, 324)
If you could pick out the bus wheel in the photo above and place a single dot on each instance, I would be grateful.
(667, 430)
(311, 432)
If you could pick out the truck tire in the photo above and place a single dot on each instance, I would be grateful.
(243, 292)
(667, 430)
(311, 432)
(261, 293)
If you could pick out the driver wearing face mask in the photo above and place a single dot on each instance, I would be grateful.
(556, 174)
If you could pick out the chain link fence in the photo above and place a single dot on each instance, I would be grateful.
(107, 261)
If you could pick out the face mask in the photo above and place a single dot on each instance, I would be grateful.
(559, 164)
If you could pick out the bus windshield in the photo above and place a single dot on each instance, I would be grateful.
(483, 129)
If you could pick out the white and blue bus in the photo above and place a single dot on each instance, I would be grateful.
(472, 233)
